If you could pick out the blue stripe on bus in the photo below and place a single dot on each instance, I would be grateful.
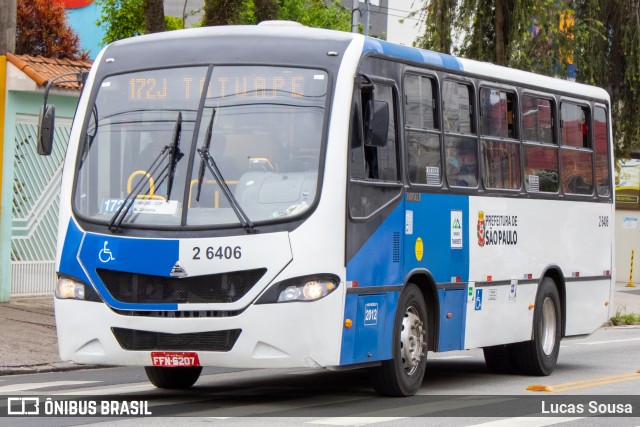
(69, 264)
(411, 54)
(373, 264)
(434, 217)
(153, 257)
(433, 222)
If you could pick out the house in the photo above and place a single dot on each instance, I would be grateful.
(29, 182)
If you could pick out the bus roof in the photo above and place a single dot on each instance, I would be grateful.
(372, 45)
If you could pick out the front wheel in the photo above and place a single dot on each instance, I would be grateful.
(173, 378)
(540, 355)
(403, 374)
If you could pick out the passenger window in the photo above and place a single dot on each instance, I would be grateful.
(501, 164)
(541, 169)
(577, 172)
(458, 107)
(537, 119)
(461, 151)
(574, 123)
(421, 111)
(462, 161)
(577, 163)
(421, 130)
(496, 112)
(601, 132)
(501, 158)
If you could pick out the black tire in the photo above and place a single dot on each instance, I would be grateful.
(403, 374)
(500, 359)
(173, 378)
(540, 355)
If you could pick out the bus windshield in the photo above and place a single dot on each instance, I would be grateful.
(153, 137)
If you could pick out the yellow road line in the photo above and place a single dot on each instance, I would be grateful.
(591, 382)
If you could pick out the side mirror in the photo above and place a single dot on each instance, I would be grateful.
(46, 126)
(376, 123)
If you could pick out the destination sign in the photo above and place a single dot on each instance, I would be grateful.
(226, 82)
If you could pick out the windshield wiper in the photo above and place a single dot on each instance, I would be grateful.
(213, 168)
(152, 171)
(205, 147)
(176, 154)
(123, 210)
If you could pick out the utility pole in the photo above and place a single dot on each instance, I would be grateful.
(355, 16)
(8, 26)
(367, 13)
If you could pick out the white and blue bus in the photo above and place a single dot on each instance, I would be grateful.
(281, 196)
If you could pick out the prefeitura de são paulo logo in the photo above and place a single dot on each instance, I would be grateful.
(481, 237)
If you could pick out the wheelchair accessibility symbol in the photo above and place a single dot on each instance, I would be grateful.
(105, 254)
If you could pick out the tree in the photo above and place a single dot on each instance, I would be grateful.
(42, 30)
(265, 10)
(313, 13)
(222, 12)
(599, 37)
(129, 18)
(316, 13)
(154, 16)
(612, 61)
(121, 19)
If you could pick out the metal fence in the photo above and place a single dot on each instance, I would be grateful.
(36, 185)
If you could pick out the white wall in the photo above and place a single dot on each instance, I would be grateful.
(627, 239)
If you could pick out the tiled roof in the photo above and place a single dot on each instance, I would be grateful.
(41, 70)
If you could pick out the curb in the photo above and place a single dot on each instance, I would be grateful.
(46, 368)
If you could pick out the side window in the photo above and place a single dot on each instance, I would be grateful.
(368, 161)
(372, 165)
(576, 154)
(496, 112)
(541, 171)
(574, 124)
(460, 142)
(537, 119)
(422, 130)
(500, 146)
(381, 162)
(458, 107)
(601, 147)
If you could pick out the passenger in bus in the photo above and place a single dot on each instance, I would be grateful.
(462, 165)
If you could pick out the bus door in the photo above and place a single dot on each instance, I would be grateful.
(375, 220)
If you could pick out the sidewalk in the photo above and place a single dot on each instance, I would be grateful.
(28, 341)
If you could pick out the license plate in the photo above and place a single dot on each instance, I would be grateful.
(174, 358)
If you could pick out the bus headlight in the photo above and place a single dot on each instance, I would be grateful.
(305, 288)
(307, 291)
(67, 288)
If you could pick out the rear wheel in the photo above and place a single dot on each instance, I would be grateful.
(173, 378)
(403, 375)
(540, 355)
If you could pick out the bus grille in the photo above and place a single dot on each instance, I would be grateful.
(212, 288)
(130, 339)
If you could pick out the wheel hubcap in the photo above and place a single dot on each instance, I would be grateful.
(549, 323)
(412, 341)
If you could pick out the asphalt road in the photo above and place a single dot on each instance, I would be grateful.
(457, 391)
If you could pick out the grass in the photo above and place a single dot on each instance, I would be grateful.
(624, 318)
